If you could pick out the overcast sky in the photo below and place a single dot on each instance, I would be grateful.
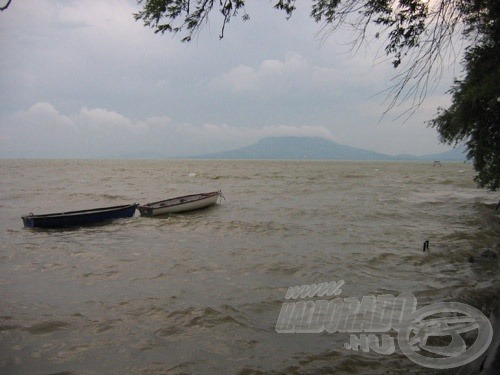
(84, 79)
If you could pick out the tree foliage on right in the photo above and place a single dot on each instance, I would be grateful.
(474, 115)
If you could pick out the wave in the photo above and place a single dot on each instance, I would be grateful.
(183, 322)
(46, 327)
(98, 196)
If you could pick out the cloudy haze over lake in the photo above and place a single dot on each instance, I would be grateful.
(83, 79)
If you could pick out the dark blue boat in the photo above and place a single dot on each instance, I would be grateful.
(79, 218)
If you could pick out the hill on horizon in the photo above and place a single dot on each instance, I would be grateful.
(316, 148)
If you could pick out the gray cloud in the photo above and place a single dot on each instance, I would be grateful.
(83, 79)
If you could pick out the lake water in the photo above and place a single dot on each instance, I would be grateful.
(200, 293)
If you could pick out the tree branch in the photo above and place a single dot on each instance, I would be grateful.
(5, 6)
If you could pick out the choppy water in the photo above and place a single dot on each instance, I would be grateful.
(201, 292)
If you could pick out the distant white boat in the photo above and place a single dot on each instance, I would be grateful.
(180, 204)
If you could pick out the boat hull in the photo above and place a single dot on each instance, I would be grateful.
(180, 204)
(79, 218)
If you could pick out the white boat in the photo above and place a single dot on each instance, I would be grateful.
(180, 204)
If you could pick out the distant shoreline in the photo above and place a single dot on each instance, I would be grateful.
(281, 148)
(233, 159)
